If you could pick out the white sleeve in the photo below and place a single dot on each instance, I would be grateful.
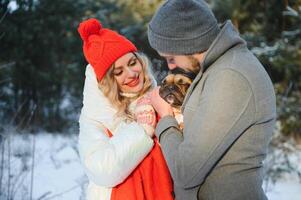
(108, 161)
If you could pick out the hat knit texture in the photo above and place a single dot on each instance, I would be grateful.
(183, 27)
(101, 46)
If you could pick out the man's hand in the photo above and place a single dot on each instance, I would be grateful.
(159, 104)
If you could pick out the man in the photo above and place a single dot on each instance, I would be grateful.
(229, 110)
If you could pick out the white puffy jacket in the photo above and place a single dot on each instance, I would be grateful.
(107, 161)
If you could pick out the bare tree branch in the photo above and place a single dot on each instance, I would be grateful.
(2, 35)
(64, 192)
(4, 15)
(21, 176)
(32, 165)
(2, 142)
(8, 170)
(44, 195)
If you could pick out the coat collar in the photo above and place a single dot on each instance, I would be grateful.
(96, 106)
(225, 40)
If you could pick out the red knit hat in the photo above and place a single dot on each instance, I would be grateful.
(102, 47)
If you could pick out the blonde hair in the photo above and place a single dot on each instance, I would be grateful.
(108, 85)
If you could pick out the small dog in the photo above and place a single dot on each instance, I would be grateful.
(174, 88)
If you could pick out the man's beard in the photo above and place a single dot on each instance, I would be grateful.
(190, 72)
(195, 65)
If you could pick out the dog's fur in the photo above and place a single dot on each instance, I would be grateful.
(173, 91)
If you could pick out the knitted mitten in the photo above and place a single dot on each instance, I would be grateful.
(144, 113)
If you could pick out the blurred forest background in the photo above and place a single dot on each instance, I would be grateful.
(42, 65)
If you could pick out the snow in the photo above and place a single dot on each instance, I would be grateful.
(290, 12)
(58, 173)
(286, 158)
(13, 5)
(61, 168)
(285, 189)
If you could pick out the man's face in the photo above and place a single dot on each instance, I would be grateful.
(186, 62)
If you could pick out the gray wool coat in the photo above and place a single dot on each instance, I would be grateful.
(229, 116)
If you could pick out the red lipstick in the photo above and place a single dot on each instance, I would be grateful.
(134, 82)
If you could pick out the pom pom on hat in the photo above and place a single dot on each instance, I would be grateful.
(89, 27)
(101, 46)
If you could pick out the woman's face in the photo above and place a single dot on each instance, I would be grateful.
(129, 74)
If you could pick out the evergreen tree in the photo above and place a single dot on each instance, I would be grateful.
(40, 40)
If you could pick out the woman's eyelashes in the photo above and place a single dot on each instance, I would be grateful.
(118, 71)
(133, 62)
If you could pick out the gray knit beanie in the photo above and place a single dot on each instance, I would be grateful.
(182, 27)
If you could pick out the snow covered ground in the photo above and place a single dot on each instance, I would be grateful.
(58, 173)
(286, 189)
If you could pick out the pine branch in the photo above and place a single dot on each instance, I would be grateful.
(2, 143)
(10, 64)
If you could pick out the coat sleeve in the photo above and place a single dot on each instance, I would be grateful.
(108, 161)
(226, 109)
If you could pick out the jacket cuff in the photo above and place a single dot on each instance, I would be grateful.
(164, 124)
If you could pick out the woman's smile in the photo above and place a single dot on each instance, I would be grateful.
(134, 82)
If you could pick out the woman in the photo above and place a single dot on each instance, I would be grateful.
(117, 146)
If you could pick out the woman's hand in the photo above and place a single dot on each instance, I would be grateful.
(145, 115)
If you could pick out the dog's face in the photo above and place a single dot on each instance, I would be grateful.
(174, 88)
